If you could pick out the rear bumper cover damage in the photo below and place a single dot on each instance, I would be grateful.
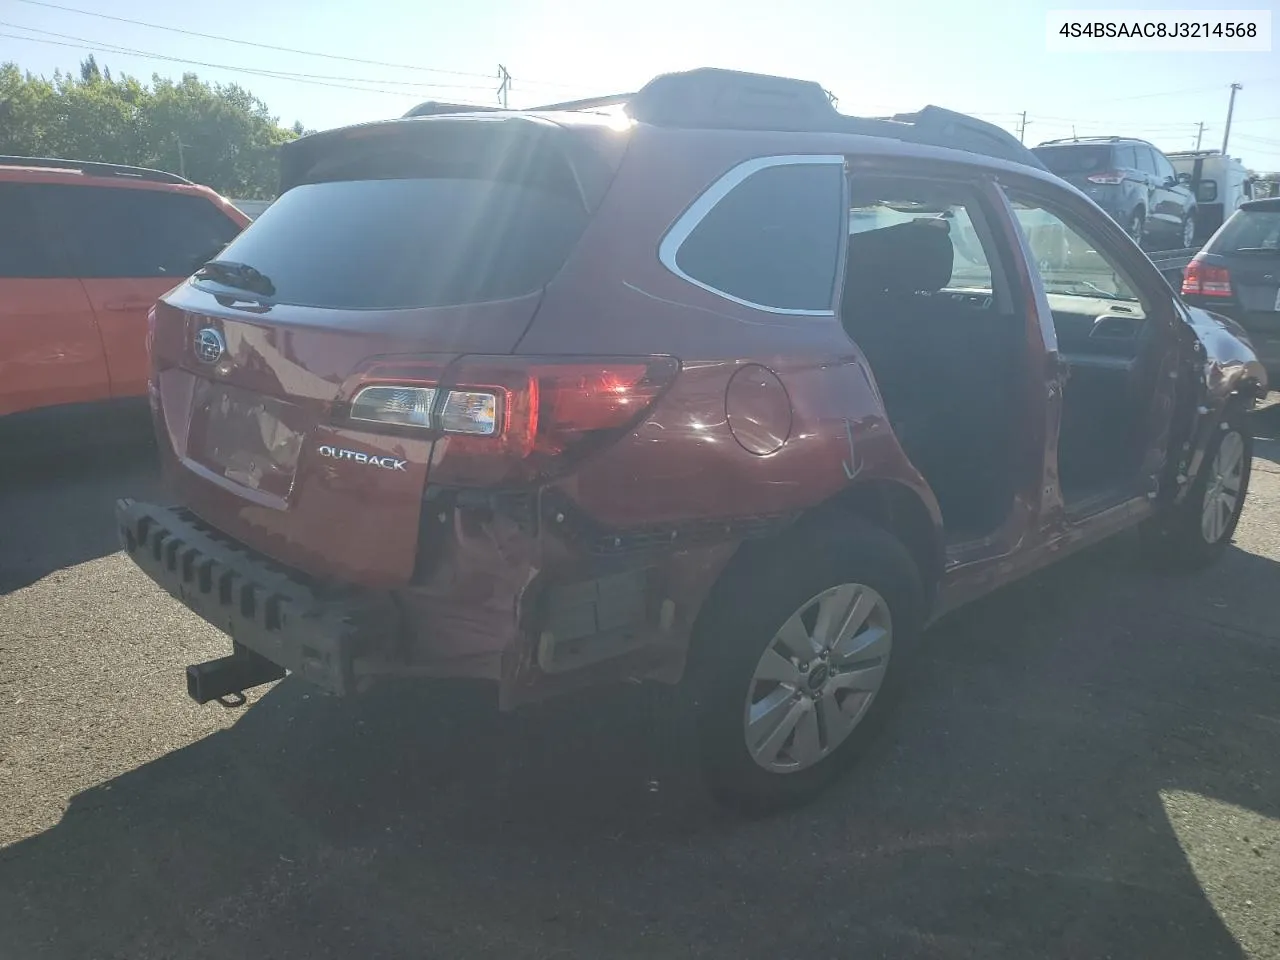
(495, 601)
(295, 625)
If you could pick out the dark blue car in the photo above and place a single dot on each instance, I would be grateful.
(1132, 181)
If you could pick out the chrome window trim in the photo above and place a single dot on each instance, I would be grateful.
(693, 216)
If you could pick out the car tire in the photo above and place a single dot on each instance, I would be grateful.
(1188, 232)
(1196, 532)
(1137, 225)
(775, 725)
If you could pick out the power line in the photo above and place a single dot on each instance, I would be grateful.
(108, 48)
(264, 71)
(271, 46)
(1263, 140)
(247, 43)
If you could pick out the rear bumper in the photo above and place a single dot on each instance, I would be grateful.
(261, 606)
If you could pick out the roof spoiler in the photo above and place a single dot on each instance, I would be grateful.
(712, 98)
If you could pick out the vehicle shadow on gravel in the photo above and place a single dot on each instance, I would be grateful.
(60, 475)
(1041, 792)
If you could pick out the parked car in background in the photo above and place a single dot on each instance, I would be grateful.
(1220, 183)
(1237, 274)
(1131, 180)
(744, 393)
(86, 249)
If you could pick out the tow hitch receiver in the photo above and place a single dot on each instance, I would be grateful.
(226, 678)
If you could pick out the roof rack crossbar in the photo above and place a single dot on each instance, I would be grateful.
(591, 103)
(95, 168)
(436, 108)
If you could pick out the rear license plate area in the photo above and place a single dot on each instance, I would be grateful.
(245, 437)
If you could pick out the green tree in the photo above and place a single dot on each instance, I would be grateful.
(220, 135)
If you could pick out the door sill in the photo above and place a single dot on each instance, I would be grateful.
(1091, 504)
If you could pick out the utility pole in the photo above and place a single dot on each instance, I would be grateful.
(1022, 128)
(504, 86)
(1199, 136)
(1230, 108)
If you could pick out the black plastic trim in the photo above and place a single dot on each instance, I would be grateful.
(294, 623)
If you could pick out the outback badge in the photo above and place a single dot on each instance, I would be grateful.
(372, 460)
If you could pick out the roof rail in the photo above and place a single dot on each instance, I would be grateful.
(94, 168)
(731, 100)
(1045, 143)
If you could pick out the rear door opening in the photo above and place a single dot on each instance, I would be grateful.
(394, 249)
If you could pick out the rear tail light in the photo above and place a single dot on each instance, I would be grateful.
(402, 406)
(508, 420)
(1206, 279)
(470, 411)
(1106, 178)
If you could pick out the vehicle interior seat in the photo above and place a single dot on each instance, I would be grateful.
(944, 365)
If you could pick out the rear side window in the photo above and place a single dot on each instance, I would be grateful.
(405, 242)
(132, 233)
(1124, 158)
(771, 241)
(1249, 231)
(1146, 162)
(1074, 158)
(24, 248)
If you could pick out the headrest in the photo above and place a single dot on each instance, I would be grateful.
(912, 257)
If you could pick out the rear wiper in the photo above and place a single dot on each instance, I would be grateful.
(238, 275)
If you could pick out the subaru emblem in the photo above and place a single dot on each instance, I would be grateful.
(209, 345)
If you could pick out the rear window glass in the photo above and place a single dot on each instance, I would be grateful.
(399, 243)
(1074, 158)
(773, 240)
(1249, 230)
(1207, 191)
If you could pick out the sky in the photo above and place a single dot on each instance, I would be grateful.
(986, 59)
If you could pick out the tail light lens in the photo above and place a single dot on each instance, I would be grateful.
(402, 406)
(1106, 178)
(1206, 279)
(511, 420)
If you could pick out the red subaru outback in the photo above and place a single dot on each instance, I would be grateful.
(732, 388)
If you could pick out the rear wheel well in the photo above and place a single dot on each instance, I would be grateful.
(890, 506)
(894, 508)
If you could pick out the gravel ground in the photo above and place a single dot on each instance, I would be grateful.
(1085, 766)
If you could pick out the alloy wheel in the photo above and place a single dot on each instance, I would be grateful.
(1137, 224)
(817, 678)
(1222, 494)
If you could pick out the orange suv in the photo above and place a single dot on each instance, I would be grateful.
(85, 251)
